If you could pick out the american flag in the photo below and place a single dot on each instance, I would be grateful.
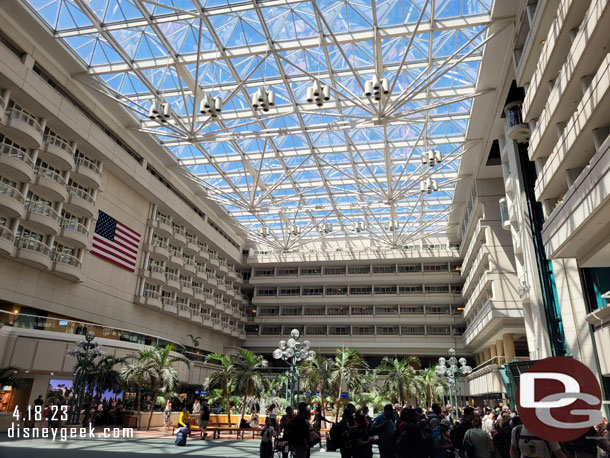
(115, 242)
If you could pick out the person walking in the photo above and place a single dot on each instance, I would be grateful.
(167, 415)
(443, 448)
(267, 435)
(458, 432)
(481, 441)
(299, 435)
(525, 445)
(359, 436)
(383, 426)
(204, 419)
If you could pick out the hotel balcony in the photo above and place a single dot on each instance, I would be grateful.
(49, 184)
(42, 218)
(186, 288)
(74, 232)
(150, 298)
(600, 320)
(23, 128)
(7, 246)
(67, 266)
(169, 305)
(162, 226)
(16, 164)
(206, 320)
(58, 153)
(189, 267)
(11, 201)
(87, 172)
(191, 246)
(493, 318)
(159, 249)
(179, 236)
(172, 281)
(80, 202)
(175, 260)
(154, 274)
(198, 294)
(184, 312)
(33, 252)
(223, 267)
(196, 316)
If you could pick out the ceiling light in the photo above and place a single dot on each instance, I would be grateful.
(263, 99)
(326, 228)
(359, 226)
(376, 87)
(318, 93)
(391, 226)
(211, 106)
(431, 157)
(428, 186)
(294, 229)
(160, 111)
(264, 232)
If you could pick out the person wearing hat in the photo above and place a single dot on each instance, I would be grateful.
(443, 448)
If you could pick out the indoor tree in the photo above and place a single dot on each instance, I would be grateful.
(432, 388)
(398, 376)
(138, 371)
(316, 377)
(346, 371)
(249, 378)
(105, 376)
(221, 378)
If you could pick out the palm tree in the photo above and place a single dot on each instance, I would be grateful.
(346, 370)
(194, 340)
(398, 377)
(165, 376)
(249, 378)
(105, 376)
(138, 371)
(221, 378)
(316, 376)
(432, 387)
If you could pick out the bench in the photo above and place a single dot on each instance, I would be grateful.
(239, 432)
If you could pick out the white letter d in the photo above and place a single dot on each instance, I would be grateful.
(528, 384)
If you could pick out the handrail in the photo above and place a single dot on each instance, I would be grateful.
(186, 283)
(155, 268)
(13, 151)
(17, 113)
(84, 162)
(168, 301)
(41, 209)
(151, 294)
(6, 234)
(163, 219)
(29, 244)
(72, 190)
(499, 360)
(172, 276)
(160, 243)
(59, 142)
(10, 191)
(67, 259)
(73, 225)
(179, 230)
(51, 174)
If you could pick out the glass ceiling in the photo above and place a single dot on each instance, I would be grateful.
(298, 171)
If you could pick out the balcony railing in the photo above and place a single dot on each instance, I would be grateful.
(41, 209)
(59, 142)
(160, 243)
(67, 259)
(26, 243)
(80, 193)
(13, 151)
(171, 276)
(73, 225)
(155, 268)
(151, 294)
(163, 219)
(50, 174)
(83, 162)
(168, 301)
(9, 191)
(6, 234)
(27, 118)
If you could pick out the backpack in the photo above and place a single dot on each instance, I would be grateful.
(458, 433)
(347, 443)
(467, 449)
(335, 438)
(410, 443)
(181, 439)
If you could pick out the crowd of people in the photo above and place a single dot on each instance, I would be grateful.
(415, 433)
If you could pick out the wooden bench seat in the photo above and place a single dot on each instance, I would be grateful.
(239, 432)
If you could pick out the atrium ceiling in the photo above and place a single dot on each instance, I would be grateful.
(224, 85)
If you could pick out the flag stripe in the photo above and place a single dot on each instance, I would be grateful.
(115, 242)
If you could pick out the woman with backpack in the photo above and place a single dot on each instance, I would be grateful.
(267, 435)
(477, 443)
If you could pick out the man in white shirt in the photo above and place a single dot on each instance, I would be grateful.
(196, 408)
(525, 445)
(488, 423)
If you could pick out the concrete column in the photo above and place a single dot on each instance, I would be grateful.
(487, 354)
(493, 352)
(599, 136)
(509, 347)
(499, 348)
(572, 175)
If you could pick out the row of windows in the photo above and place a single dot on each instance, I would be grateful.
(359, 330)
(359, 290)
(359, 310)
(355, 270)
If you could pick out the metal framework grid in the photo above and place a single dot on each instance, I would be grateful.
(297, 172)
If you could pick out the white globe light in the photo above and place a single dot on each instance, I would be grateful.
(451, 351)
(442, 360)
(453, 360)
(462, 361)
(289, 352)
(312, 354)
(454, 368)
(440, 370)
(283, 344)
(291, 343)
(295, 333)
(306, 343)
(277, 353)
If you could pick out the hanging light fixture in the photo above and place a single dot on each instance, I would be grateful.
(326, 228)
(431, 157)
(211, 106)
(392, 226)
(160, 111)
(376, 87)
(318, 93)
(428, 185)
(264, 231)
(359, 226)
(263, 99)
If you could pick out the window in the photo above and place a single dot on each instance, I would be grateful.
(265, 291)
(338, 330)
(386, 310)
(360, 290)
(271, 330)
(338, 310)
(454, 245)
(291, 311)
(409, 268)
(387, 330)
(437, 309)
(362, 309)
(412, 309)
(268, 311)
(311, 270)
(286, 329)
(315, 311)
(288, 272)
(385, 289)
(290, 291)
(436, 268)
(263, 272)
(336, 290)
(252, 330)
(437, 289)
(359, 270)
(334, 270)
(384, 269)
(413, 330)
(456, 289)
(316, 291)
(458, 330)
(438, 330)
(363, 330)
(315, 330)
(174, 250)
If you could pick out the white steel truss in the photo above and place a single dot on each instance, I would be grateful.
(296, 171)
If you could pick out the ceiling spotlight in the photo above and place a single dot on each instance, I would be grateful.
(376, 87)
(318, 93)
(428, 185)
(431, 157)
(391, 226)
(326, 228)
(211, 106)
(160, 111)
(263, 99)
(359, 226)
(264, 232)
(294, 229)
